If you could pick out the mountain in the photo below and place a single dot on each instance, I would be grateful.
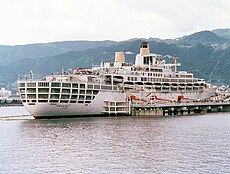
(10, 54)
(203, 37)
(224, 33)
(204, 53)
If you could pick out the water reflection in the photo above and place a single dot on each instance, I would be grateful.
(118, 145)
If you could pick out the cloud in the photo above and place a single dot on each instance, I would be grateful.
(32, 21)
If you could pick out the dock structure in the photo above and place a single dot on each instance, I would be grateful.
(171, 109)
(164, 109)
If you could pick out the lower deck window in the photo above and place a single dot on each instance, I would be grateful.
(74, 97)
(53, 101)
(63, 101)
(43, 96)
(42, 101)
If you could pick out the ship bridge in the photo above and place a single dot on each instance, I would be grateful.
(147, 59)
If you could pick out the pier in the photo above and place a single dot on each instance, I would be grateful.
(164, 109)
(173, 109)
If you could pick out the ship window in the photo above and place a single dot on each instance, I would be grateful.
(96, 87)
(75, 85)
(53, 101)
(74, 97)
(63, 101)
(88, 97)
(31, 90)
(95, 92)
(189, 76)
(67, 85)
(65, 97)
(81, 97)
(65, 90)
(73, 101)
(74, 91)
(31, 84)
(107, 87)
(42, 101)
(148, 60)
(54, 96)
(43, 90)
(43, 84)
(22, 90)
(145, 60)
(55, 84)
(88, 92)
(21, 84)
(103, 87)
(82, 85)
(55, 90)
(90, 86)
(31, 96)
(82, 91)
(45, 96)
(80, 101)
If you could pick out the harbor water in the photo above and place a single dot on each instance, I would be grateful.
(181, 144)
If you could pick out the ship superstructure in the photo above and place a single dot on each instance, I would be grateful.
(112, 87)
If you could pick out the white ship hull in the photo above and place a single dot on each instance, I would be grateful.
(54, 110)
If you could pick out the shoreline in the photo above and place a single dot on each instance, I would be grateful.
(8, 105)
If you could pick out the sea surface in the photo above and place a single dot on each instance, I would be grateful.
(185, 144)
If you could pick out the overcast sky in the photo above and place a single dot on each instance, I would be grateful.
(36, 21)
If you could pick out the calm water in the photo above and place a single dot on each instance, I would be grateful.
(189, 144)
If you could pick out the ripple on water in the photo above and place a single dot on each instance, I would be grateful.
(193, 144)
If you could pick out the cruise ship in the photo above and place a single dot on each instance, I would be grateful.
(113, 87)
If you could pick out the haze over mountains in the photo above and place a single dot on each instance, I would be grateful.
(205, 53)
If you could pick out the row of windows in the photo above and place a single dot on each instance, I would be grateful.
(64, 97)
(149, 79)
(153, 74)
(175, 89)
(58, 91)
(154, 70)
(186, 76)
(56, 101)
(148, 60)
(42, 84)
(143, 79)
(68, 85)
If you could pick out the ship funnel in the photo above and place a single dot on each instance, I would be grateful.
(119, 57)
(144, 50)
